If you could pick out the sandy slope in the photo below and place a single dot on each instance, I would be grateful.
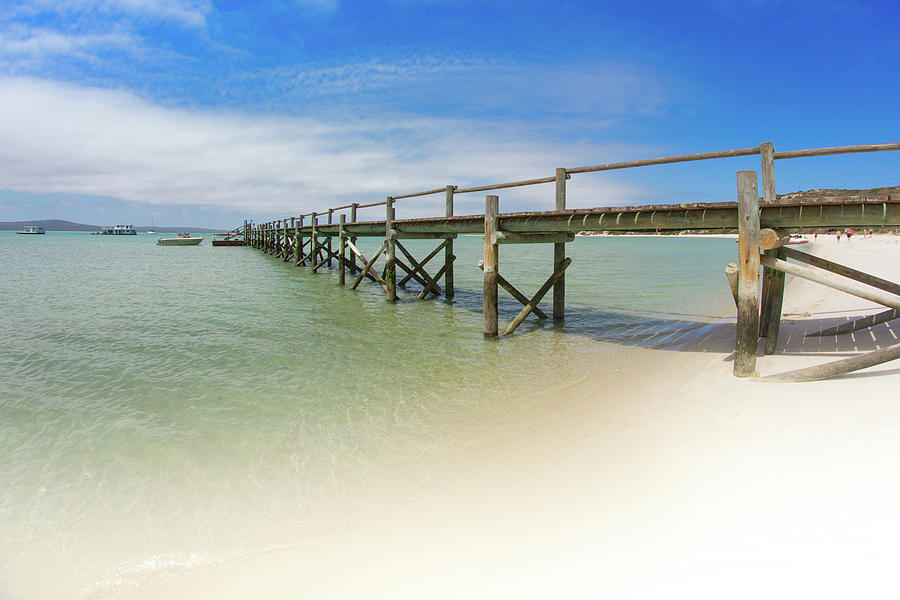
(673, 479)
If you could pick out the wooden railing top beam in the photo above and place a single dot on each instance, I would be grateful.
(641, 163)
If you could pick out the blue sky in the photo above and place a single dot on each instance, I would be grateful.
(201, 112)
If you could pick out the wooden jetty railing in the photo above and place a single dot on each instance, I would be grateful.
(762, 224)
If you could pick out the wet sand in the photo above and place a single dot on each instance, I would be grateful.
(673, 478)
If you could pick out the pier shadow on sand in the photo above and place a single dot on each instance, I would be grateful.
(702, 333)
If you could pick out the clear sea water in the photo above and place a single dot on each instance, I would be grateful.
(170, 408)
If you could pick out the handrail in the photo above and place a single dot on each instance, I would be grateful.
(837, 150)
(635, 163)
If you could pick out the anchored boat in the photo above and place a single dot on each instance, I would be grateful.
(32, 230)
(182, 239)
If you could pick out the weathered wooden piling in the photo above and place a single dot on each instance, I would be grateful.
(759, 314)
(314, 243)
(748, 276)
(353, 208)
(491, 265)
(448, 246)
(342, 252)
(390, 267)
(559, 253)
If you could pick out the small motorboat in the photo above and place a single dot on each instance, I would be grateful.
(32, 230)
(182, 239)
(796, 238)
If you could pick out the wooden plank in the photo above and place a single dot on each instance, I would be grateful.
(837, 367)
(419, 267)
(837, 150)
(848, 272)
(412, 271)
(508, 237)
(530, 306)
(511, 289)
(835, 281)
(667, 160)
(489, 306)
(747, 337)
(368, 266)
(857, 324)
(432, 285)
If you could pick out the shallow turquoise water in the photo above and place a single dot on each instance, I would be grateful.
(169, 408)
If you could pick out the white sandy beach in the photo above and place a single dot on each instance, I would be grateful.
(674, 479)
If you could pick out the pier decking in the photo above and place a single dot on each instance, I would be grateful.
(762, 224)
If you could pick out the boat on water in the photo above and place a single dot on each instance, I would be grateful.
(116, 230)
(32, 230)
(796, 238)
(182, 239)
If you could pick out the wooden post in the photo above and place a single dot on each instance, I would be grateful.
(748, 276)
(731, 273)
(342, 250)
(448, 247)
(491, 264)
(313, 242)
(245, 236)
(559, 252)
(298, 249)
(773, 281)
(353, 208)
(390, 268)
(279, 239)
(330, 220)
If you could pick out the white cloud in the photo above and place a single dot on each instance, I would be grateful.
(62, 138)
(476, 84)
(38, 43)
(188, 13)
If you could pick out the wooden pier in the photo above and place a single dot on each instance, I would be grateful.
(763, 225)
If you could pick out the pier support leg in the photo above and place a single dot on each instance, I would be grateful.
(773, 309)
(448, 248)
(748, 276)
(390, 267)
(559, 253)
(491, 260)
(342, 252)
(353, 208)
(328, 245)
(313, 243)
(298, 248)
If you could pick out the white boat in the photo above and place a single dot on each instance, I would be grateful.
(182, 239)
(117, 230)
(32, 230)
(796, 238)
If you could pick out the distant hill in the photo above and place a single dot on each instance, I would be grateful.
(60, 225)
(826, 193)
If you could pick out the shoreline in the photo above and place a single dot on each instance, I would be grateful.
(670, 477)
